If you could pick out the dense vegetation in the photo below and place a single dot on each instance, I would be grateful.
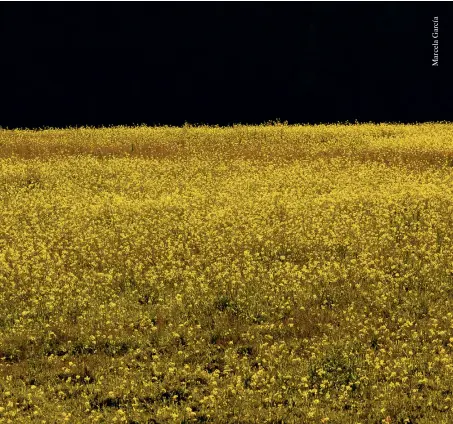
(268, 274)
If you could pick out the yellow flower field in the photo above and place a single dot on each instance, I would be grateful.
(247, 274)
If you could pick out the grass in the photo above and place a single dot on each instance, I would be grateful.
(248, 274)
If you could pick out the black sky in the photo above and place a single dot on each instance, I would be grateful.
(111, 63)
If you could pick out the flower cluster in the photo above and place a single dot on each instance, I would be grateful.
(274, 273)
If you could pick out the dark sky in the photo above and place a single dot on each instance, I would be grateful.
(111, 63)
